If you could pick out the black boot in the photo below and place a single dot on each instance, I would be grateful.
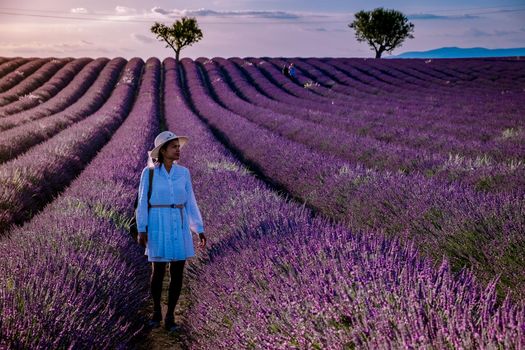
(156, 292)
(170, 325)
(155, 319)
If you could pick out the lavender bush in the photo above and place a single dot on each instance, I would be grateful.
(10, 65)
(21, 73)
(35, 80)
(364, 150)
(28, 185)
(69, 95)
(43, 93)
(276, 277)
(71, 277)
(17, 140)
(443, 218)
(375, 257)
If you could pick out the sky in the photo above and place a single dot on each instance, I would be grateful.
(241, 28)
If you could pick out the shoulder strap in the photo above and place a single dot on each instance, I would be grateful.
(151, 172)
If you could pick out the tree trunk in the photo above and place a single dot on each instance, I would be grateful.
(177, 53)
(380, 51)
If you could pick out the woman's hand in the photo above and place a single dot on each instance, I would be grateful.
(202, 242)
(143, 239)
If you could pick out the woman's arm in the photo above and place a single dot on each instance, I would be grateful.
(142, 207)
(194, 214)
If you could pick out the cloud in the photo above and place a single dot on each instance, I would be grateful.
(123, 10)
(79, 10)
(69, 48)
(324, 29)
(477, 33)
(159, 10)
(142, 38)
(505, 32)
(498, 33)
(212, 13)
(429, 16)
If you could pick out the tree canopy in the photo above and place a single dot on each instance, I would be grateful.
(383, 30)
(184, 32)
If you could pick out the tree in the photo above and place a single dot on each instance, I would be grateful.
(383, 30)
(184, 32)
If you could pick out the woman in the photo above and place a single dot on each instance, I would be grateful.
(164, 224)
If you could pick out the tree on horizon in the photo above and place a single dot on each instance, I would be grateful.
(182, 33)
(384, 30)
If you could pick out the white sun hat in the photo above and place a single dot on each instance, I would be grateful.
(164, 137)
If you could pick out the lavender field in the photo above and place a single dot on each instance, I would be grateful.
(367, 204)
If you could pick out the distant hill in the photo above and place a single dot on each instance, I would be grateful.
(458, 52)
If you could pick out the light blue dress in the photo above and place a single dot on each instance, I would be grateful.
(169, 236)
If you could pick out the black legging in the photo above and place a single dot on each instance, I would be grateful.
(157, 276)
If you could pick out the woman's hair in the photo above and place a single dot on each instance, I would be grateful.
(160, 158)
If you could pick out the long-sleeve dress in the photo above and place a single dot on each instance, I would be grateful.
(168, 229)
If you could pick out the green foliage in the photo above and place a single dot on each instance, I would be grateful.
(227, 322)
(488, 182)
(182, 33)
(121, 221)
(343, 323)
(273, 328)
(383, 30)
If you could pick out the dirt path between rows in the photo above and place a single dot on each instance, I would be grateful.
(159, 338)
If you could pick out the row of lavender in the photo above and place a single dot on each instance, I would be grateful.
(390, 80)
(451, 110)
(446, 125)
(484, 174)
(499, 121)
(490, 100)
(377, 109)
(43, 74)
(476, 75)
(484, 140)
(509, 145)
(454, 76)
(277, 277)
(454, 108)
(477, 117)
(10, 64)
(40, 94)
(488, 143)
(484, 231)
(510, 137)
(26, 184)
(34, 127)
(78, 242)
(69, 95)
(372, 153)
(22, 69)
(226, 165)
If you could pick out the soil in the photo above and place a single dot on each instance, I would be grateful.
(159, 338)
